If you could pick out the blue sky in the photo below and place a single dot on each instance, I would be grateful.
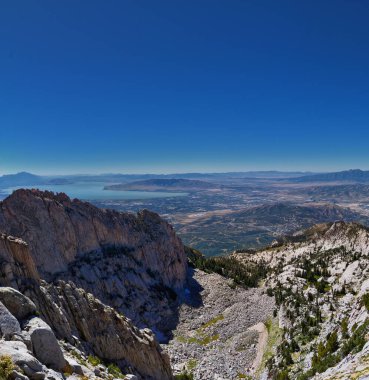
(183, 85)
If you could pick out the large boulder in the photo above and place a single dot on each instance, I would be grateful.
(45, 345)
(17, 303)
(20, 356)
(8, 323)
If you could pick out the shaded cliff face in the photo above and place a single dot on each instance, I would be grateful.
(17, 268)
(133, 263)
(78, 317)
(58, 229)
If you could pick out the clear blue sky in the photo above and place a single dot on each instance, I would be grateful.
(183, 85)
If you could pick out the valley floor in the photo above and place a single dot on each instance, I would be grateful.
(220, 334)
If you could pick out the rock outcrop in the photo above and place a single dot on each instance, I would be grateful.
(9, 325)
(19, 305)
(81, 319)
(29, 343)
(17, 267)
(90, 327)
(134, 263)
(44, 344)
(58, 229)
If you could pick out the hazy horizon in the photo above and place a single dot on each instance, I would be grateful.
(61, 174)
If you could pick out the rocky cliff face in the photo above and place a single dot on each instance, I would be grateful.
(320, 280)
(58, 230)
(132, 262)
(17, 267)
(34, 352)
(82, 320)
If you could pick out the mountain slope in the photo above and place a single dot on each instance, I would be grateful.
(20, 179)
(258, 226)
(353, 175)
(321, 288)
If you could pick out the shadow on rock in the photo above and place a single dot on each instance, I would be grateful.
(190, 296)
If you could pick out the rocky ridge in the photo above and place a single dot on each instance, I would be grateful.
(134, 263)
(131, 256)
(320, 281)
(53, 223)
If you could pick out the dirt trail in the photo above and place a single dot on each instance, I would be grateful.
(261, 345)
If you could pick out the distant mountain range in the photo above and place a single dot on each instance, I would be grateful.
(345, 192)
(29, 179)
(21, 179)
(171, 184)
(353, 175)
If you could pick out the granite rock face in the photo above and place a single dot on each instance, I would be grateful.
(134, 263)
(9, 325)
(18, 304)
(58, 229)
(44, 343)
(87, 327)
(79, 318)
(17, 266)
(73, 260)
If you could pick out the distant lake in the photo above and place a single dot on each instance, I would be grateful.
(90, 191)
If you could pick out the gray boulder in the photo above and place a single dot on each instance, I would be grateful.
(75, 366)
(18, 376)
(25, 338)
(20, 356)
(18, 304)
(45, 345)
(8, 323)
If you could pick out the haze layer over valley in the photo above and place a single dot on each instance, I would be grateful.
(221, 212)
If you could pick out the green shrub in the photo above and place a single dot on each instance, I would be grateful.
(365, 301)
(357, 340)
(94, 360)
(283, 375)
(191, 364)
(6, 367)
(243, 376)
(115, 371)
(184, 376)
(247, 275)
(344, 327)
